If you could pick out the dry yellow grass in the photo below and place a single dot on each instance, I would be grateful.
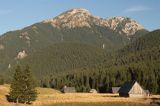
(50, 96)
(4, 89)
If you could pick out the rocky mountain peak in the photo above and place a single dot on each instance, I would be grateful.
(73, 18)
(80, 17)
(124, 25)
(77, 10)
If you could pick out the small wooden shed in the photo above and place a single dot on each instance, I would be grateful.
(147, 92)
(66, 89)
(93, 91)
(115, 89)
(132, 89)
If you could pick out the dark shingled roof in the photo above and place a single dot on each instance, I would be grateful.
(126, 87)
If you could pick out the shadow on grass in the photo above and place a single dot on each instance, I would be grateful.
(110, 96)
(155, 101)
(14, 101)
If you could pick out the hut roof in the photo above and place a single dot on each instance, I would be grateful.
(69, 90)
(132, 89)
(126, 87)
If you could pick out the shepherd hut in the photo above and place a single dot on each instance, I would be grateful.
(147, 92)
(66, 89)
(115, 89)
(131, 89)
(93, 91)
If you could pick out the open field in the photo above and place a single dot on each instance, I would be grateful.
(51, 97)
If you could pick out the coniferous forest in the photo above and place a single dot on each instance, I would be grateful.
(139, 61)
(87, 67)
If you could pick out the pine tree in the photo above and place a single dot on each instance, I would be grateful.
(29, 86)
(16, 90)
(22, 87)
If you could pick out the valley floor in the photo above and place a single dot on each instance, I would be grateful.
(51, 97)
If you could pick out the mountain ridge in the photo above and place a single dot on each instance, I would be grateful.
(19, 44)
(80, 17)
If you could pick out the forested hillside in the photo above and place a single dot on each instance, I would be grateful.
(64, 57)
(86, 66)
(141, 65)
(73, 26)
(39, 36)
(148, 41)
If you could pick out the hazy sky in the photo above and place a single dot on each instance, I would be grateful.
(16, 14)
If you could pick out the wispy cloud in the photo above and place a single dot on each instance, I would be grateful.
(137, 9)
(5, 12)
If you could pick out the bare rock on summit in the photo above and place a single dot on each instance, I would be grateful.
(83, 18)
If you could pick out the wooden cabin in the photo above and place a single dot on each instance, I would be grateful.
(115, 90)
(93, 91)
(147, 92)
(132, 89)
(66, 89)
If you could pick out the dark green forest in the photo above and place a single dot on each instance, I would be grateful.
(137, 61)
(39, 36)
(87, 65)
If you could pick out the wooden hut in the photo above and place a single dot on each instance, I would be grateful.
(93, 91)
(132, 89)
(115, 89)
(66, 89)
(147, 92)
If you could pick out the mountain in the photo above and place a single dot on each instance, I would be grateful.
(83, 18)
(140, 61)
(145, 50)
(73, 26)
(69, 57)
(85, 51)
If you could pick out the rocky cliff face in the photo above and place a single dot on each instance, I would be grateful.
(124, 25)
(83, 18)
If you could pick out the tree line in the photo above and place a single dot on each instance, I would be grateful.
(104, 79)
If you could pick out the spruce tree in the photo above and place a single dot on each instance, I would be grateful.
(22, 87)
(16, 89)
(29, 86)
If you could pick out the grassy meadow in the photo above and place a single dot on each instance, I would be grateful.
(51, 97)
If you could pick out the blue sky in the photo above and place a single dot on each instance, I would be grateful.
(16, 14)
